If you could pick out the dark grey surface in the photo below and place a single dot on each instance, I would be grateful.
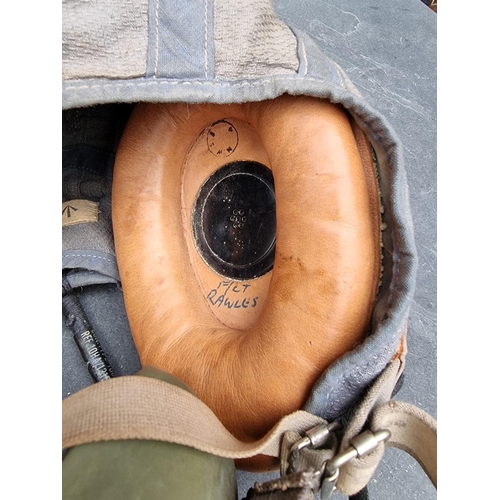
(388, 49)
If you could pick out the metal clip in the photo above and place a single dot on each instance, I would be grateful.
(315, 437)
(360, 446)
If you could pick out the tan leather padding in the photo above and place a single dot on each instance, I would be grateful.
(321, 291)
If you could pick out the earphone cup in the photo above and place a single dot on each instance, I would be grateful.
(289, 186)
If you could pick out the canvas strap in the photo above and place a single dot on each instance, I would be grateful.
(135, 407)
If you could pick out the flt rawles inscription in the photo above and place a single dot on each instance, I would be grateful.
(233, 295)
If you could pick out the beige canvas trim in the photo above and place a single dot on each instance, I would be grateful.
(250, 41)
(104, 39)
(78, 211)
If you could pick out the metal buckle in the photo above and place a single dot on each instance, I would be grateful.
(360, 446)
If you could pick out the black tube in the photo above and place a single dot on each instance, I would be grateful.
(76, 319)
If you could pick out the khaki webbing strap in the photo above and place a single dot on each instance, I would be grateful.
(145, 408)
(135, 407)
(356, 474)
(412, 430)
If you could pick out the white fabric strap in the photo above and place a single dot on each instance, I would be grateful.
(136, 407)
(412, 430)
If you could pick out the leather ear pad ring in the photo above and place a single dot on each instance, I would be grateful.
(253, 355)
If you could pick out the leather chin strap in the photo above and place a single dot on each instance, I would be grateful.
(139, 407)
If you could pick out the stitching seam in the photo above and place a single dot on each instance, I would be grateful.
(206, 39)
(168, 82)
(304, 53)
(157, 39)
(90, 255)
